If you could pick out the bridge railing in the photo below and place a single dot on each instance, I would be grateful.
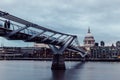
(28, 31)
(14, 27)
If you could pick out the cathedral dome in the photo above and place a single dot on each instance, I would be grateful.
(89, 35)
(89, 40)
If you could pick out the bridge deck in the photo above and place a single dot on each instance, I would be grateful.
(23, 36)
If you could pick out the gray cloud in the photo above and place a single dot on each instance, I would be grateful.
(71, 16)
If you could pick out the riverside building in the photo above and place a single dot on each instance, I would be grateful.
(103, 51)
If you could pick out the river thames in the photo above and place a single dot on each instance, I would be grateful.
(41, 70)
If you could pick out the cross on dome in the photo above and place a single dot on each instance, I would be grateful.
(88, 29)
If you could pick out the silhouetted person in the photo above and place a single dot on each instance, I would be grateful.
(5, 24)
(8, 24)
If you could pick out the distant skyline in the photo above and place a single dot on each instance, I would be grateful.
(69, 16)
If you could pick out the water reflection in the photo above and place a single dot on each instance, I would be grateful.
(58, 75)
(67, 74)
(39, 70)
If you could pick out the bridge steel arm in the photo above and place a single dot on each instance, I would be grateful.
(56, 39)
(64, 42)
(81, 52)
(63, 39)
(54, 48)
(67, 44)
(38, 34)
(48, 37)
(62, 48)
(16, 31)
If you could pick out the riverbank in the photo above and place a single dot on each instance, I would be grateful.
(67, 59)
(104, 60)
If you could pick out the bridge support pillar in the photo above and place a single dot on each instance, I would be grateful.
(58, 58)
(83, 59)
(58, 62)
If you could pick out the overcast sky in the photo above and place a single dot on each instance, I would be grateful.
(69, 16)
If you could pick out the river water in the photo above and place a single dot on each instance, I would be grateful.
(41, 70)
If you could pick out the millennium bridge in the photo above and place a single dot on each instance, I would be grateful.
(15, 28)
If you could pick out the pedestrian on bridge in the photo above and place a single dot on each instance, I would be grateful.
(7, 24)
